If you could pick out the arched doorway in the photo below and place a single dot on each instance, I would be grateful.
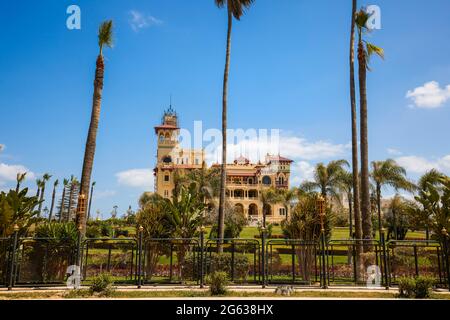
(253, 210)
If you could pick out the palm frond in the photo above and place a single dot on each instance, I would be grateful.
(105, 34)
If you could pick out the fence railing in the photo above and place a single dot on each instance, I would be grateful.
(139, 261)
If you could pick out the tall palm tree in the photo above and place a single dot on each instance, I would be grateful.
(90, 200)
(105, 38)
(20, 178)
(388, 173)
(287, 197)
(45, 178)
(39, 185)
(355, 162)
(235, 8)
(365, 51)
(61, 209)
(346, 187)
(268, 197)
(55, 184)
(327, 179)
(73, 185)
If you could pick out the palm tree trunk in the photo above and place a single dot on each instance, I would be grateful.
(355, 162)
(90, 202)
(41, 200)
(365, 190)
(223, 176)
(61, 210)
(89, 152)
(53, 204)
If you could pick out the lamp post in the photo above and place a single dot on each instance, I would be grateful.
(141, 233)
(263, 255)
(446, 249)
(13, 256)
(321, 210)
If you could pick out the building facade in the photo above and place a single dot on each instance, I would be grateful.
(245, 180)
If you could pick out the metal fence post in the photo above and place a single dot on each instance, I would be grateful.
(446, 259)
(324, 271)
(141, 229)
(13, 257)
(202, 245)
(386, 268)
(263, 255)
(78, 261)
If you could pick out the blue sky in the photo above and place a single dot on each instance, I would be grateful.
(289, 70)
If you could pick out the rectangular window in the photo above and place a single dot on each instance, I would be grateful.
(282, 211)
(166, 178)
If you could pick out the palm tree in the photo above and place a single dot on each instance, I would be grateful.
(327, 179)
(39, 185)
(388, 173)
(365, 51)
(235, 8)
(55, 184)
(45, 178)
(61, 209)
(73, 185)
(287, 197)
(90, 200)
(268, 197)
(105, 38)
(346, 187)
(355, 163)
(20, 178)
(431, 178)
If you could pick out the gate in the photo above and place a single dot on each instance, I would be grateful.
(416, 258)
(343, 266)
(118, 257)
(240, 259)
(171, 261)
(293, 261)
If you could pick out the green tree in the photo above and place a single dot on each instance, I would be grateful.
(397, 218)
(365, 51)
(20, 178)
(388, 173)
(327, 179)
(90, 200)
(235, 8)
(17, 208)
(105, 38)
(61, 208)
(268, 198)
(44, 180)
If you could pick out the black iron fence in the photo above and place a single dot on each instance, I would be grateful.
(139, 261)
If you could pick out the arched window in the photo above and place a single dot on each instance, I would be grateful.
(167, 159)
(266, 180)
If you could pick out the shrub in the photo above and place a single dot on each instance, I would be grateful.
(102, 284)
(423, 287)
(218, 282)
(406, 287)
(419, 288)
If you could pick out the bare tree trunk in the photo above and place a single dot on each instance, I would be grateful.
(52, 205)
(223, 176)
(365, 190)
(41, 199)
(89, 152)
(61, 210)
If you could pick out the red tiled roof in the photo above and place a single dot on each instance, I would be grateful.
(279, 158)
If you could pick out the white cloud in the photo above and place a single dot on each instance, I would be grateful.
(287, 145)
(421, 165)
(301, 171)
(8, 173)
(101, 194)
(394, 152)
(429, 96)
(136, 178)
(139, 20)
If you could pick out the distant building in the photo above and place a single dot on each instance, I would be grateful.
(245, 180)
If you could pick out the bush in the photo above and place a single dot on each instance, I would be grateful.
(406, 287)
(423, 287)
(218, 282)
(102, 284)
(419, 288)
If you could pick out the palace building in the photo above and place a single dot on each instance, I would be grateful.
(245, 180)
